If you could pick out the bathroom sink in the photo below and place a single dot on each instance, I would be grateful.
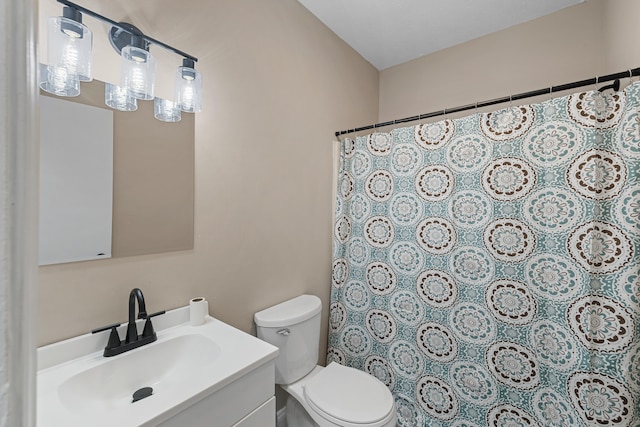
(165, 367)
(77, 385)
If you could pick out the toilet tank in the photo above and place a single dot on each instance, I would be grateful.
(294, 327)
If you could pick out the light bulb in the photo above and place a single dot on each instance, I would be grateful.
(187, 97)
(70, 56)
(58, 77)
(118, 98)
(59, 81)
(137, 81)
(166, 111)
(138, 72)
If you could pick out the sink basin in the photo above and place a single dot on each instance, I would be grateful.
(78, 386)
(165, 367)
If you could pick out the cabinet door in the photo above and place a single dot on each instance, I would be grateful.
(232, 404)
(264, 416)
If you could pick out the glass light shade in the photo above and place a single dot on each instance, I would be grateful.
(118, 98)
(188, 89)
(166, 111)
(138, 72)
(59, 81)
(69, 47)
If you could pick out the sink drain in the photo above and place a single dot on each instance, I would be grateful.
(142, 393)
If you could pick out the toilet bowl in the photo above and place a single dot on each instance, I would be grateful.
(339, 396)
(335, 396)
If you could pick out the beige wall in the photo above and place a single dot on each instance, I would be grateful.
(277, 84)
(622, 33)
(580, 42)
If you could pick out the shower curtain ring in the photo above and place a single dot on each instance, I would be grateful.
(597, 88)
(630, 76)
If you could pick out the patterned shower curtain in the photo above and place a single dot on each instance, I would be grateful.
(486, 269)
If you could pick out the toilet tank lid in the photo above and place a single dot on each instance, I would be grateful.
(290, 312)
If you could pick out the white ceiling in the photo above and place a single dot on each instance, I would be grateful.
(390, 32)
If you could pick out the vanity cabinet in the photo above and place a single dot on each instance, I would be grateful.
(248, 401)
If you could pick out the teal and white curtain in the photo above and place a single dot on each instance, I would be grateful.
(486, 269)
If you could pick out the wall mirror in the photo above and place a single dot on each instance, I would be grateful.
(113, 184)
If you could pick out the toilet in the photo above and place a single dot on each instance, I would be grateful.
(335, 396)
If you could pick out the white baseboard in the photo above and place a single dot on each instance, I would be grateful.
(281, 417)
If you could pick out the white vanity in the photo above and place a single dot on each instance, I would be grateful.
(207, 375)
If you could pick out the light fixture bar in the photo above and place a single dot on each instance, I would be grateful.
(118, 25)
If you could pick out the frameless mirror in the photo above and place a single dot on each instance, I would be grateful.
(114, 179)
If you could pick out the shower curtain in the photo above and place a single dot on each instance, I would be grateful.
(486, 269)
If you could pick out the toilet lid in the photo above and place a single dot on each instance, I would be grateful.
(349, 395)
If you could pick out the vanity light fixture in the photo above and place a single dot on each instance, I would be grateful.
(69, 63)
(138, 72)
(68, 54)
(138, 66)
(188, 87)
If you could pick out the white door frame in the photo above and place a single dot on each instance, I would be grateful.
(19, 135)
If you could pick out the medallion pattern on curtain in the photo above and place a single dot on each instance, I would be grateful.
(486, 269)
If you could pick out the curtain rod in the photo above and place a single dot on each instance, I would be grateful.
(616, 86)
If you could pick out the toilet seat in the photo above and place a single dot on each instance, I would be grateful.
(349, 397)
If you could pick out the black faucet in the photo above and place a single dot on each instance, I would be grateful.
(132, 330)
(132, 340)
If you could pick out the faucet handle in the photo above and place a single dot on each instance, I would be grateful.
(105, 328)
(148, 326)
(114, 339)
(148, 329)
(158, 313)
